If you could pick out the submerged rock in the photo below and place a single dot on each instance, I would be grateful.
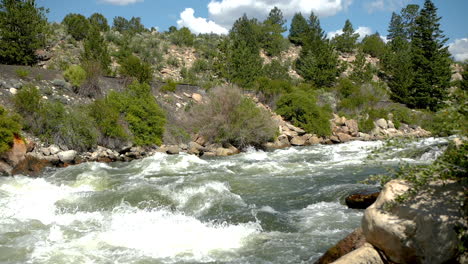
(360, 200)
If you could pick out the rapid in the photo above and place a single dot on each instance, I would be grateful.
(284, 206)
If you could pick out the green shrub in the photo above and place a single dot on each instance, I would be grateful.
(110, 123)
(276, 70)
(170, 86)
(268, 90)
(200, 65)
(182, 37)
(402, 115)
(301, 109)
(75, 75)
(173, 61)
(9, 128)
(145, 119)
(229, 117)
(134, 68)
(22, 73)
(373, 45)
(77, 25)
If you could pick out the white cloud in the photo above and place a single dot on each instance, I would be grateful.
(381, 5)
(459, 49)
(363, 31)
(121, 2)
(198, 24)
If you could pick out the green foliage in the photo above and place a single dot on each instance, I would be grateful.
(301, 109)
(23, 28)
(346, 42)
(299, 28)
(170, 86)
(77, 25)
(276, 70)
(182, 37)
(96, 50)
(464, 82)
(268, 89)
(173, 61)
(131, 27)
(22, 73)
(430, 61)
(362, 71)
(145, 119)
(317, 62)
(273, 27)
(133, 67)
(397, 63)
(99, 21)
(109, 121)
(90, 87)
(373, 45)
(229, 117)
(53, 122)
(9, 128)
(76, 75)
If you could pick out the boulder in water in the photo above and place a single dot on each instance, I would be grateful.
(353, 241)
(366, 254)
(360, 200)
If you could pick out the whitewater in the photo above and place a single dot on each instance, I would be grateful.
(285, 206)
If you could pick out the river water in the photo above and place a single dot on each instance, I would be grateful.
(281, 207)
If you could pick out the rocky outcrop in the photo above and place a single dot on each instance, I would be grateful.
(352, 242)
(419, 230)
(10, 159)
(361, 200)
(366, 254)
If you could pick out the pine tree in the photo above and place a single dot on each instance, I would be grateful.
(408, 16)
(396, 28)
(346, 42)
(318, 61)
(298, 29)
(96, 50)
(77, 25)
(23, 28)
(397, 63)
(374, 45)
(431, 61)
(273, 27)
(362, 70)
(99, 21)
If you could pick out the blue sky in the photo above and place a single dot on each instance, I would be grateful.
(218, 15)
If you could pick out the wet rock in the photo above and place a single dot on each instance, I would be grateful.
(366, 254)
(314, 140)
(200, 140)
(334, 139)
(5, 169)
(173, 150)
(67, 156)
(360, 200)
(344, 137)
(31, 165)
(351, 242)
(298, 141)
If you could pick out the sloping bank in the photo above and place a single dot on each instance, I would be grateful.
(32, 156)
(421, 218)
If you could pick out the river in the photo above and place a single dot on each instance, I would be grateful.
(284, 206)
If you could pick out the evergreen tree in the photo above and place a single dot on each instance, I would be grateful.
(397, 64)
(99, 21)
(298, 29)
(346, 42)
(396, 28)
(464, 82)
(362, 70)
(96, 50)
(273, 27)
(23, 27)
(318, 61)
(431, 61)
(242, 52)
(408, 16)
(77, 25)
(374, 45)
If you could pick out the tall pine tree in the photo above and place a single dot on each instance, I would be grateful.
(346, 42)
(273, 28)
(318, 61)
(23, 28)
(298, 29)
(431, 61)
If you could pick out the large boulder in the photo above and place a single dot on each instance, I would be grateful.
(352, 242)
(16, 154)
(32, 165)
(419, 230)
(353, 127)
(366, 254)
(67, 156)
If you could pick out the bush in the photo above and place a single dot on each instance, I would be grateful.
(373, 45)
(276, 70)
(170, 86)
(182, 37)
(110, 123)
(229, 117)
(9, 128)
(133, 68)
(76, 75)
(268, 90)
(301, 109)
(22, 73)
(91, 86)
(145, 119)
(54, 123)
